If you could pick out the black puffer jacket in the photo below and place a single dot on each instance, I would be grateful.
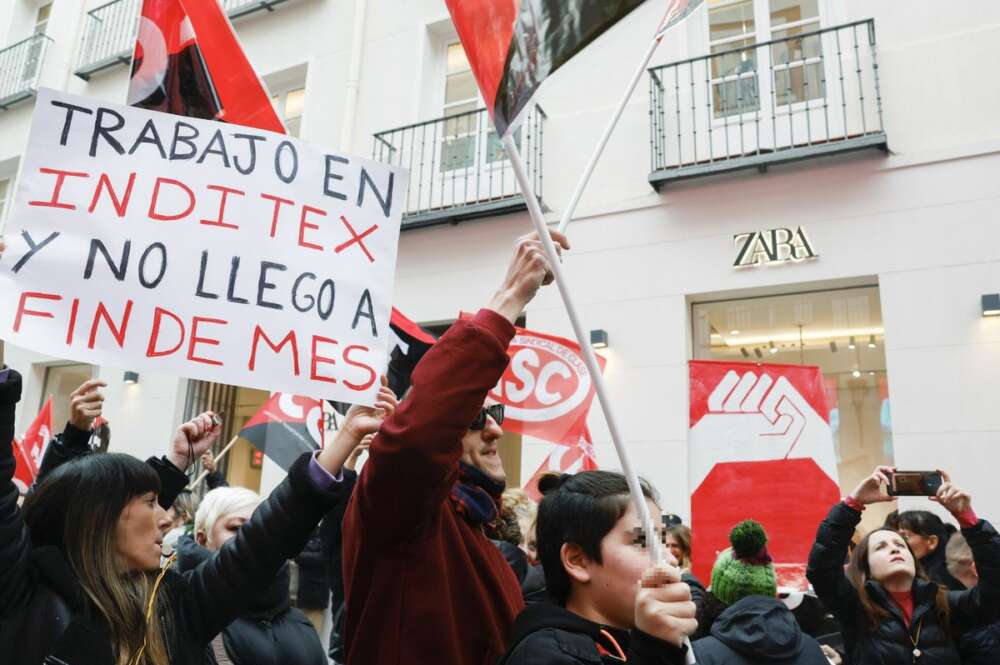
(547, 634)
(758, 631)
(43, 610)
(891, 642)
(271, 631)
(981, 646)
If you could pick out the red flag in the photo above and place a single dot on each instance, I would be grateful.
(564, 459)
(188, 61)
(546, 388)
(285, 427)
(29, 450)
(513, 45)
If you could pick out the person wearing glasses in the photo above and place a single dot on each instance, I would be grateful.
(423, 583)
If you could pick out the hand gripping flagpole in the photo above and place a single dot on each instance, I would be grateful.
(589, 358)
(675, 12)
(204, 474)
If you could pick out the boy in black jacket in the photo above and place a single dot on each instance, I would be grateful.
(608, 604)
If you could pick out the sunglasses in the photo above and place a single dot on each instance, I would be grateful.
(494, 411)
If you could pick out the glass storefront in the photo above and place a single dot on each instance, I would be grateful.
(841, 332)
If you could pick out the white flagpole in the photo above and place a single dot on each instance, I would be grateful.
(588, 171)
(589, 358)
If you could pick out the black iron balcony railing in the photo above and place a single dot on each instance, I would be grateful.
(807, 95)
(458, 167)
(20, 66)
(110, 29)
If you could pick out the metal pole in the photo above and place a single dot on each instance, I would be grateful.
(222, 453)
(603, 142)
(589, 358)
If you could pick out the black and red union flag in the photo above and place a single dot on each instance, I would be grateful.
(513, 45)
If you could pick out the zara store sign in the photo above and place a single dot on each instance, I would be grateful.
(772, 246)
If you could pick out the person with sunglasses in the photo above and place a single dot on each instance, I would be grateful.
(423, 583)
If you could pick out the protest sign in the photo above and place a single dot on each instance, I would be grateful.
(760, 447)
(203, 249)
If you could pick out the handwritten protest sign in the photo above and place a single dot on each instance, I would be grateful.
(199, 248)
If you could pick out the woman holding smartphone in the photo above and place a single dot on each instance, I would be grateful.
(889, 611)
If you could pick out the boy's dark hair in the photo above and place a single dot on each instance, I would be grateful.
(578, 509)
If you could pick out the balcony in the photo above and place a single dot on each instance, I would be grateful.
(458, 167)
(808, 95)
(20, 66)
(109, 31)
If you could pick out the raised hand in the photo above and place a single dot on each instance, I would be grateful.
(192, 439)
(352, 459)
(528, 271)
(208, 461)
(86, 404)
(956, 500)
(360, 422)
(663, 606)
(871, 488)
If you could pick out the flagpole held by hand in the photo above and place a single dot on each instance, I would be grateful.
(204, 474)
(590, 359)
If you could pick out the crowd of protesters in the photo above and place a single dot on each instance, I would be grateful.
(426, 557)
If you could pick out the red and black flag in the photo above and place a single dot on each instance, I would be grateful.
(513, 45)
(188, 61)
(285, 427)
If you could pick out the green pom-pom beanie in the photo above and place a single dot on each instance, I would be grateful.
(745, 569)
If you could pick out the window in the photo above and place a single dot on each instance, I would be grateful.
(461, 101)
(840, 331)
(732, 37)
(797, 62)
(42, 19)
(289, 105)
(4, 193)
(734, 30)
(60, 382)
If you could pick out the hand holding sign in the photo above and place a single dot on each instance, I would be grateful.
(86, 403)
(529, 270)
(192, 439)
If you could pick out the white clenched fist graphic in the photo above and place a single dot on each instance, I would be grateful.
(752, 417)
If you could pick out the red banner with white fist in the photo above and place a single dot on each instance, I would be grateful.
(760, 447)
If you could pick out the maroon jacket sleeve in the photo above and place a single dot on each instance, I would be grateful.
(413, 461)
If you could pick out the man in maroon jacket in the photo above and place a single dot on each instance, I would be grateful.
(423, 583)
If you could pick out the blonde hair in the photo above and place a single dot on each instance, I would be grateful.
(524, 509)
(221, 502)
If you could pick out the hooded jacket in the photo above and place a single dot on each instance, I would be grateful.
(548, 634)
(44, 611)
(270, 631)
(757, 630)
(892, 641)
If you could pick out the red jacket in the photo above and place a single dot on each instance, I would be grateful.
(423, 585)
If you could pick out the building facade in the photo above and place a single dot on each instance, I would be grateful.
(794, 181)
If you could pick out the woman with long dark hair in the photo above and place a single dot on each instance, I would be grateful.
(80, 576)
(928, 536)
(889, 611)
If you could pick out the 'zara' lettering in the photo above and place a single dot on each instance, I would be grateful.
(772, 246)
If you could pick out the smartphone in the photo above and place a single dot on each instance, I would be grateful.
(914, 483)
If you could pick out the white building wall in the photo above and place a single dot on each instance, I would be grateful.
(920, 221)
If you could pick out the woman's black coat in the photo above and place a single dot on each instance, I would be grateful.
(892, 642)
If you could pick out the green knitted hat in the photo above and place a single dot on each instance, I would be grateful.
(745, 569)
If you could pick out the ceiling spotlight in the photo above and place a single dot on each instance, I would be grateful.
(871, 373)
(871, 342)
(851, 344)
(743, 350)
(757, 353)
(599, 339)
(772, 348)
(833, 346)
(856, 373)
(131, 378)
(734, 332)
